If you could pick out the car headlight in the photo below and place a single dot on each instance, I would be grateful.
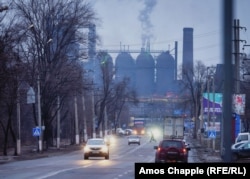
(112, 139)
(156, 133)
(104, 149)
(86, 149)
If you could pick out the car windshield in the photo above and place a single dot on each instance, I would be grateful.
(243, 137)
(246, 145)
(238, 145)
(95, 142)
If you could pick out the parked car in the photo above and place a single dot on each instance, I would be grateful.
(134, 139)
(242, 151)
(243, 136)
(171, 150)
(128, 131)
(236, 145)
(96, 147)
(120, 131)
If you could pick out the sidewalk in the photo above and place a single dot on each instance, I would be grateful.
(205, 154)
(29, 153)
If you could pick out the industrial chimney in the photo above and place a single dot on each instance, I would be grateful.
(187, 63)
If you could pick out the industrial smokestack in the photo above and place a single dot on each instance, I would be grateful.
(148, 46)
(187, 63)
(92, 41)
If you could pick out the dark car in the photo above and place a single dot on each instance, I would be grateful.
(242, 151)
(171, 150)
(96, 147)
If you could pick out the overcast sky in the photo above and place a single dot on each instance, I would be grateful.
(127, 21)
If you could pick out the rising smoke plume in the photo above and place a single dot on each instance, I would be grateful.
(146, 24)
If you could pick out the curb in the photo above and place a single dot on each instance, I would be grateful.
(30, 155)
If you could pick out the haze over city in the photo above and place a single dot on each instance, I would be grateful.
(128, 23)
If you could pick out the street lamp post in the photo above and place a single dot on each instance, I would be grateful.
(58, 123)
(39, 113)
(201, 116)
(18, 123)
(93, 97)
(76, 121)
(41, 128)
(214, 117)
(93, 112)
(18, 99)
(85, 135)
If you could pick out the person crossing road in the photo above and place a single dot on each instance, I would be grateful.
(152, 139)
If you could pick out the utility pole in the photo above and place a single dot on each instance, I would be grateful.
(245, 59)
(201, 116)
(58, 123)
(18, 123)
(40, 143)
(214, 117)
(237, 53)
(93, 113)
(226, 140)
(76, 120)
(105, 122)
(208, 105)
(85, 135)
(236, 49)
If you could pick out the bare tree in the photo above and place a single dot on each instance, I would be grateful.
(191, 83)
(113, 95)
(104, 81)
(122, 96)
(52, 49)
(10, 73)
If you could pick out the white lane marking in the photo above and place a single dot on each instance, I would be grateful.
(60, 171)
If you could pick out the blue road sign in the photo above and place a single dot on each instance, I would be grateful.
(212, 134)
(36, 131)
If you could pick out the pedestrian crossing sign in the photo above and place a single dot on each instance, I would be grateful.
(212, 134)
(36, 131)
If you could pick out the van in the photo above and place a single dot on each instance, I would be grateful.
(243, 136)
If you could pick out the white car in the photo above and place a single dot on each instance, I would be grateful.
(120, 131)
(243, 136)
(134, 139)
(96, 147)
(128, 131)
(236, 145)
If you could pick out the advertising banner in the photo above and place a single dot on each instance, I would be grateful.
(212, 102)
(239, 101)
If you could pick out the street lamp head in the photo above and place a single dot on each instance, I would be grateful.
(31, 26)
(4, 8)
(50, 40)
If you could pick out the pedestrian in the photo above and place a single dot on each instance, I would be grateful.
(152, 137)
